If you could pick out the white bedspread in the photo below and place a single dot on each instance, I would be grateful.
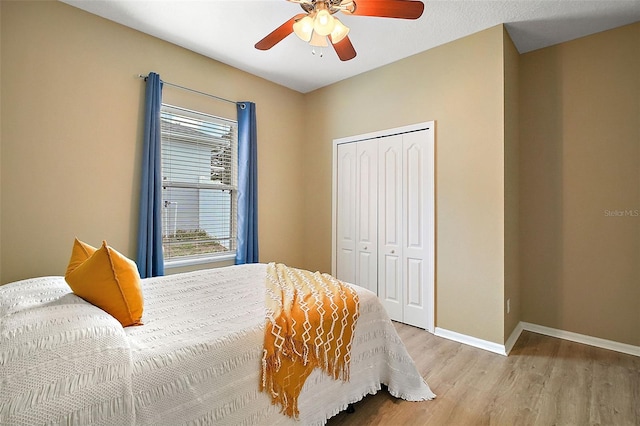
(195, 360)
(62, 360)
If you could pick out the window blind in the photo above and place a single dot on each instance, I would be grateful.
(199, 179)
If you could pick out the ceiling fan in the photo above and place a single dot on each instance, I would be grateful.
(319, 27)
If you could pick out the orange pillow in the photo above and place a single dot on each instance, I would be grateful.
(80, 252)
(106, 279)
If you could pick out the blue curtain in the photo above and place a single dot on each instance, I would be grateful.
(247, 250)
(149, 260)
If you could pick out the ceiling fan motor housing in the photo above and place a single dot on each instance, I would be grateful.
(332, 6)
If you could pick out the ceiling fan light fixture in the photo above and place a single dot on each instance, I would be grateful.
(324, 22)
(318, 40)
(304, 28)
(339, 32)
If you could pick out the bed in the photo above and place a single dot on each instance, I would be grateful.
(196, 359)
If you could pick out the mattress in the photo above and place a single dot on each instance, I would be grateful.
(196, 359)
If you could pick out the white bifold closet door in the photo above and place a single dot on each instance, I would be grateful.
(404, 256)
(357, 210)
(384, 221)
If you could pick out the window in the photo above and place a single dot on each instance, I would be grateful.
(199, 186)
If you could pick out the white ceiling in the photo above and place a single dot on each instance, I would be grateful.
(226, 30)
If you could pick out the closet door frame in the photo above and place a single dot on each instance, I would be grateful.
(430, 199)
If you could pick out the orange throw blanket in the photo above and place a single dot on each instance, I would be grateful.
(310, 322)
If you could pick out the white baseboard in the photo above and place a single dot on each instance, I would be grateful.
(471, 341)
(547, 331)
(581, 338)
(515, 335)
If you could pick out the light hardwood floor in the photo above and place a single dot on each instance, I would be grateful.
(544, 381)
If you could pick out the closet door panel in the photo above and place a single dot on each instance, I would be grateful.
(346, 214)
(365, 262)
(414, 268)
(392, 276)
(367, 215)
(415, 229)
(390, 224)
(414, 210)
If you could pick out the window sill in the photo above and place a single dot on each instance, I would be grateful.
(178, 263)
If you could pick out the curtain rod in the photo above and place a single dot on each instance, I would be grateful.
(192, 90)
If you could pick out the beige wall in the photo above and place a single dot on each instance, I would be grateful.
(580, 157)
(511, 186)
(71, 135)
(460, 86)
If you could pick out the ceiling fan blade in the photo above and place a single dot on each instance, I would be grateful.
(344, 49)
(277, 35)
(403, 9)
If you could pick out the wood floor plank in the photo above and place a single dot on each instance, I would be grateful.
(544, 381)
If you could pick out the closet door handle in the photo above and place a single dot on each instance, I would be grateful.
(393, 251)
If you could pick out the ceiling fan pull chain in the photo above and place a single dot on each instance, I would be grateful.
(319, 53)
